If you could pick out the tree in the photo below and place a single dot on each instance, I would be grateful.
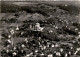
(49, 35)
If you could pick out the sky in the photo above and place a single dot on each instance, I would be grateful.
(39, 0)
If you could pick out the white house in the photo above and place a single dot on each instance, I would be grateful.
(36, 27)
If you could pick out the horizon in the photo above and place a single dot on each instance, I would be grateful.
(39, 0)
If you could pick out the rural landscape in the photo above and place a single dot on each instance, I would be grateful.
(40, 29)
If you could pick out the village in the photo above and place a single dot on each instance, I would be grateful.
(26, 34)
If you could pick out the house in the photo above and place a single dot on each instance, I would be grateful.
(17, 28)
(50, 55)
(36, 27)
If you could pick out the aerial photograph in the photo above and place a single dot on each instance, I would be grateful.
(40, 28)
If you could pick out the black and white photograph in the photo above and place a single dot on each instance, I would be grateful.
(39, 28)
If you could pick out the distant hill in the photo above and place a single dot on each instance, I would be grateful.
(32, 7)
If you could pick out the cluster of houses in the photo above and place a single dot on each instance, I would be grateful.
(40, 47)
(36, 27)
